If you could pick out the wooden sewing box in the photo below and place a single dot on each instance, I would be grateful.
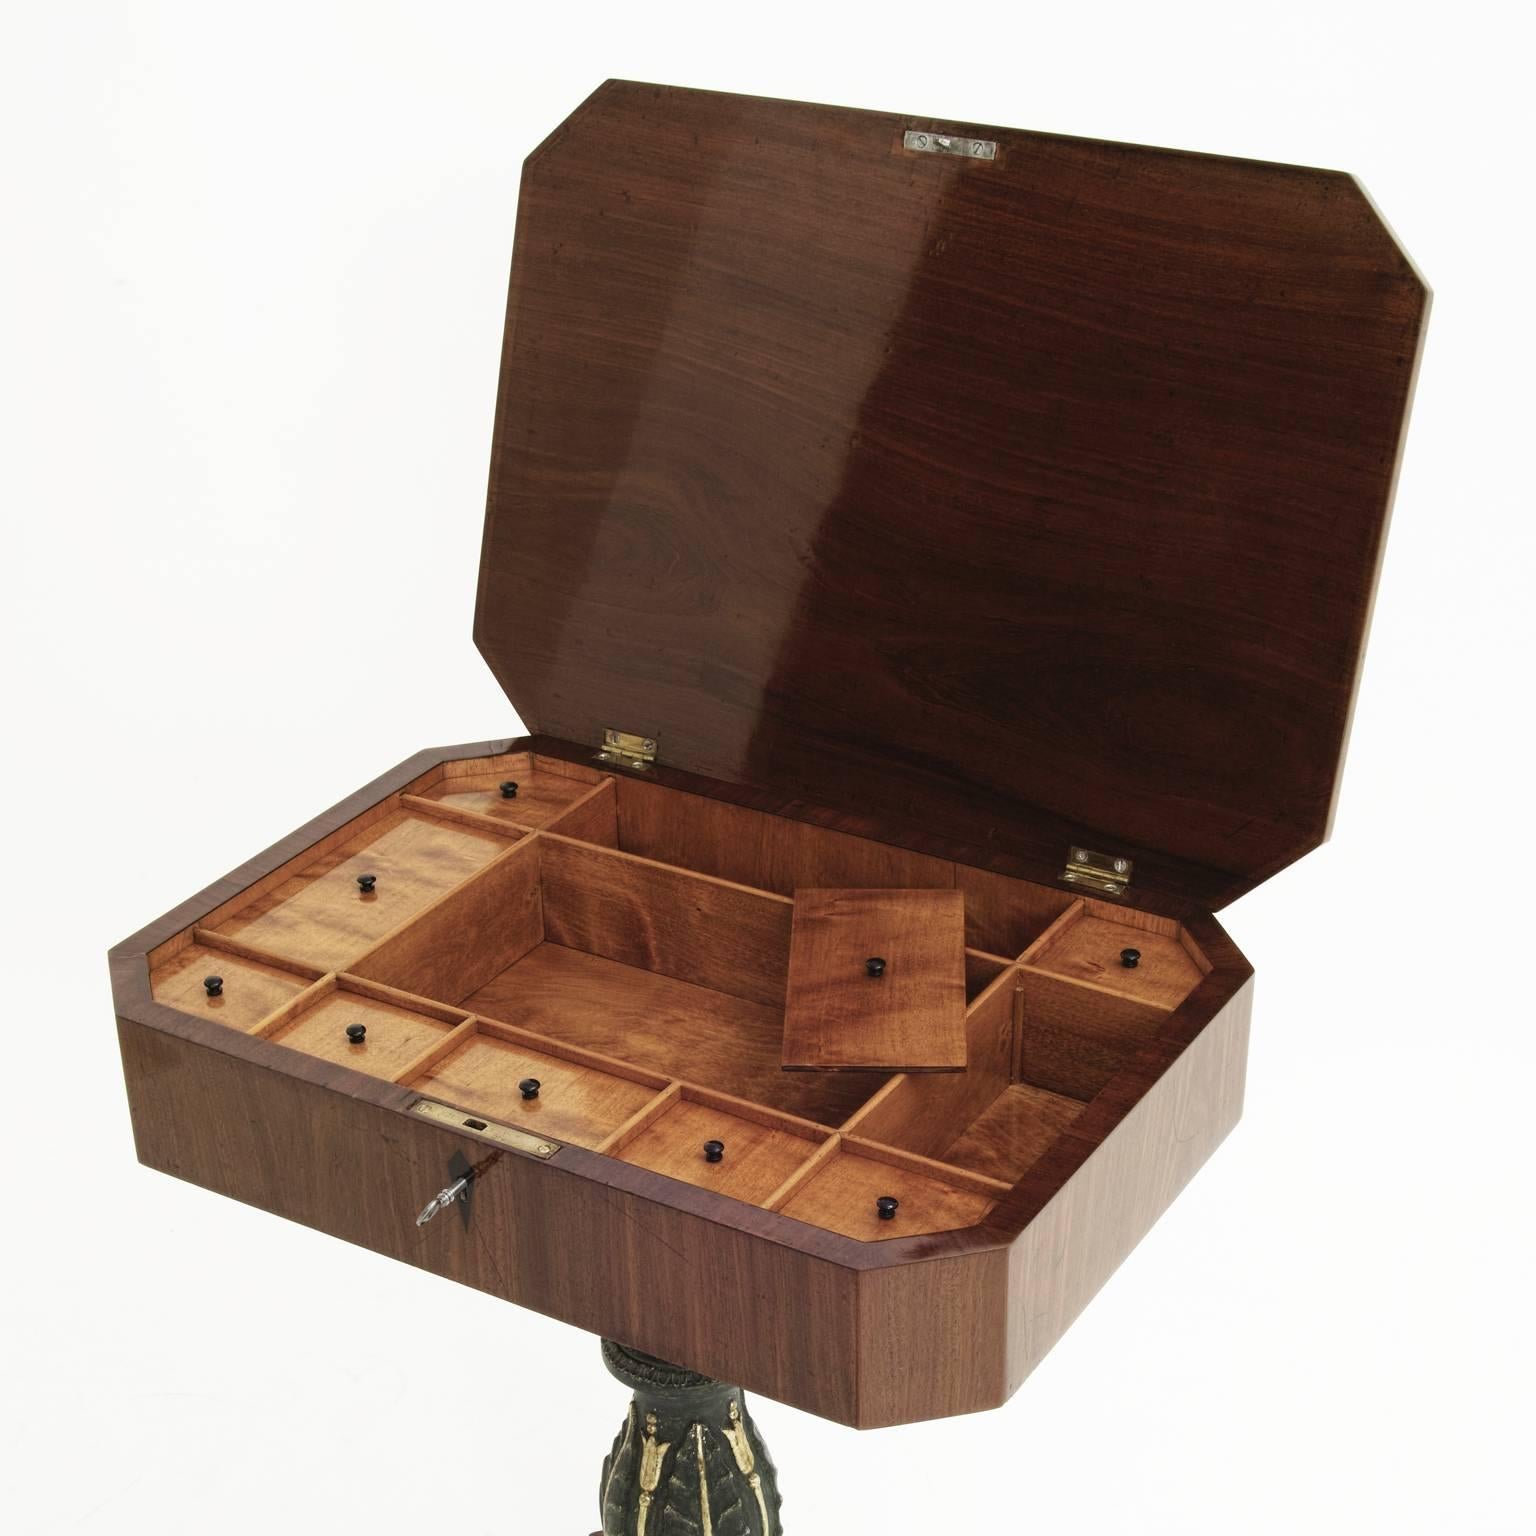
(911, 542)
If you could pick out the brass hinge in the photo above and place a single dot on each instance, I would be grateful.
(625, 750)
(1101, 872)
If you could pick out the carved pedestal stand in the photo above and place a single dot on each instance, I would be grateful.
(689, 1460)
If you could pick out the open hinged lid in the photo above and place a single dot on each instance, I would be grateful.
(1028, 491)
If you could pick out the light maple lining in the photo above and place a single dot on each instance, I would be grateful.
(512, 937)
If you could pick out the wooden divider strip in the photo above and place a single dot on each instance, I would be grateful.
(758, 1114)
(621, 1135)
(1123, 995)
(243, 951)
(948, 1173)
(471, 933)
(299, 1003)
(436, 1052)
(804, 1173)
(661, 867)
(926, 1112)
(675, 922)
(478, 821)
(576, 1054)
(414, 1002)
(1050, 935)
(890, 1088)
(1195, 953)
(990, 959)
(566, 770)
(1074, 1036)
(590, 818)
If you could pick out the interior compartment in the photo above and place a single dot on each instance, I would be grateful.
(1073, 1038)
(674, 1027)
(246, 991)
(533, 1083)
(528, 790)
(842, 1192)
(720, 1143)
(1134, 954)
(371, 1029)
(647, 998)
(1013, 1132)
(320, 915)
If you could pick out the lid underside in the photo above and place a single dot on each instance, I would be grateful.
(1029, 500)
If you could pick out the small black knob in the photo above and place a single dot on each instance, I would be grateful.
(714, 1151)
(509, 790)
(213, 985)
(887, 1206)
(366, 883)
(1130, 958)
(529, 1087)
(875, 966)
(357, 1033)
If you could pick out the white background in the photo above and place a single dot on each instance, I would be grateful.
(254, 263)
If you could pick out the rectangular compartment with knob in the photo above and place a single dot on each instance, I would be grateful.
(990, 539)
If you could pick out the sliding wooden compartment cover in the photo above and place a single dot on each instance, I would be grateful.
(935, 507)
(876, 981)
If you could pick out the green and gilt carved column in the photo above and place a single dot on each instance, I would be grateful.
(688, 1461)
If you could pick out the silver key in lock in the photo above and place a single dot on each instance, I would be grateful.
(442, 1200)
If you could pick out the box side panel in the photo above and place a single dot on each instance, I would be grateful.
(933, 1339)
(1080, 1238)
(768, 1317)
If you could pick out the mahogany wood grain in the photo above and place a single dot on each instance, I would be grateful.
(320, 916)
(1112, 1173)
(470, 934)
(691, 927)
(1045, 493)
(670, 1026)
(314, 1151)
(251, 989)
(911, 1017)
